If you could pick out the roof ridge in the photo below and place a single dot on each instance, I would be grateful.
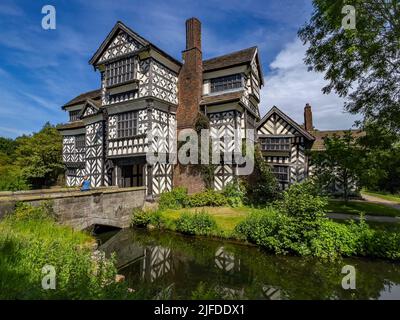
(228, 54)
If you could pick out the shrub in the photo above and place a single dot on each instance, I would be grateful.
(383, 244)
(208, 198)
(263, 187)
(235, 193)
(199, 223)
(302, 200)
(26, 212)
(175, 199)
(140, 218)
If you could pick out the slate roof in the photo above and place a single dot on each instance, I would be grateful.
(221, 98)
(94, 95)
(230, 59)
(71, 125)
(318, 144)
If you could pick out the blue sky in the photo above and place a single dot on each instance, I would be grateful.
(40, 69)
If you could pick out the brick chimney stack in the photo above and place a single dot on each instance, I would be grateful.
(308, 122)
(190, 79)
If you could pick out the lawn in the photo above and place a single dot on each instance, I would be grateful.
(355, 207)
(383, 195)
(226, 217)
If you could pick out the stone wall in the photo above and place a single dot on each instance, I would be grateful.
(110, 207)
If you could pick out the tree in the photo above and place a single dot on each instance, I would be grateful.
(262, 185)
(362, 64)
(381, 159)
(39, 156)
(339, 165)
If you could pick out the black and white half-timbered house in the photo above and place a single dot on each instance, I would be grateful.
(143, 89)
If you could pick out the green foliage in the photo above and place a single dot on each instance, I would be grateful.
(235, 193)
(31, 161)
(140, 218)
(39, 156)
(341, 162)
(30, 239)
(12, 179)
(301, 200)
(199, 223)
(263, 188)
(207, 198)
(360, 64)
(175, 199)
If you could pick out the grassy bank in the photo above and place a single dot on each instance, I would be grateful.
(357, 207)
(30, 239)
(295, 224)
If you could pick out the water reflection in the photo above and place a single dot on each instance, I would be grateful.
(169, 266)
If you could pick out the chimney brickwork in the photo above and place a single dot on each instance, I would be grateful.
(190, 86)
(308, 121)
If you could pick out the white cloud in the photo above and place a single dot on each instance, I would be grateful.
(290, 86)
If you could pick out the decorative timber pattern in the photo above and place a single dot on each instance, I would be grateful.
(143, 75)
(71, 153)
(122, 44)
(130, 145)
(164, 83)
(94, 153)
(295, 159)
(223, 127)
(161, 178)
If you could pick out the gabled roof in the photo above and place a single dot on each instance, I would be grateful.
(289, 120)
(234, 59)
(121, 26)
(94, 94)
(90, 103)
(71, 125)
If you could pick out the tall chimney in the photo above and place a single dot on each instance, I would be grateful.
(308, 123)
(190, 85)
(190, 80)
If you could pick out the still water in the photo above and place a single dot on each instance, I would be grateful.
(165, 265)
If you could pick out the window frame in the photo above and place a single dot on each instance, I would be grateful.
(120, 71)
(74, 115)
(227, 83)
(279, 144)
(281, 176)
(81, 142)
(127, 124)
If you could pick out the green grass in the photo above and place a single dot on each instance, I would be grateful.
(225, 217)
(30, 240)
(355, 207)
(383, 195)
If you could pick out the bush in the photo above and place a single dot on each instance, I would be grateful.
(25, 212)
(140, 218)
(208, 198)
(302, 200)
(175, 199)
(199, 223)
(235, 193)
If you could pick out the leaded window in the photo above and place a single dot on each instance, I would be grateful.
(281, 173)
(275, 144)
(226, 83)
(80, 141)
(74, 115)
(120, 71)
(127, 124)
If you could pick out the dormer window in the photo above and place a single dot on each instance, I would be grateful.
(226, 83)
(74, 115)
(120, 71)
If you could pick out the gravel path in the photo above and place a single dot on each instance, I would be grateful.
(344, 216)
(381, 201)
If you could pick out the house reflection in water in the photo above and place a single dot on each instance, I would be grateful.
(176, 271)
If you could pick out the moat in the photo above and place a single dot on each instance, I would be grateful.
(165, 265)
